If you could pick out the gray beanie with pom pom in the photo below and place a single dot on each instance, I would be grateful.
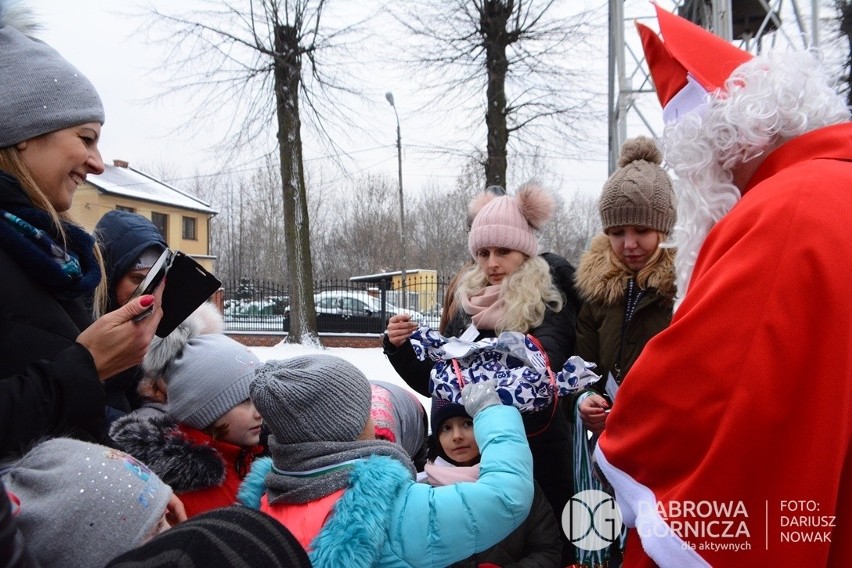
(205, 373)
(640, 192)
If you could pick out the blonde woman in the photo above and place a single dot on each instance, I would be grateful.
(53, 358)
(509, 287)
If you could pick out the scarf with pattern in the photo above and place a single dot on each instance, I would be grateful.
(29, 236)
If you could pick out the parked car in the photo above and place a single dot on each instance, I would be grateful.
(353, 311)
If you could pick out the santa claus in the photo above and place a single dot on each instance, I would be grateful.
(729, 441)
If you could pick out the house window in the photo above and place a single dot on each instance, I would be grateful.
(125, 208)
(189, 229)
(161, 221)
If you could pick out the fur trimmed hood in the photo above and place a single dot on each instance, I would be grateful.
(158, 442)
(356, 534)
(153, 385)
(602, 278)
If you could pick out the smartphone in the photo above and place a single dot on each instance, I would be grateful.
(154, 276)
(151, 281)
(608, 400)
(188, 286)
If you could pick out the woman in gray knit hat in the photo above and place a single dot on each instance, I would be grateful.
(626, 280)
(53, 357)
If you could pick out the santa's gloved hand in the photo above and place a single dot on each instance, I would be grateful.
(476, 396)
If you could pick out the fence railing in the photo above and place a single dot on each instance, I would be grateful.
(343, 306)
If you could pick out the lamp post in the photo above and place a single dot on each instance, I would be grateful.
(389, 97)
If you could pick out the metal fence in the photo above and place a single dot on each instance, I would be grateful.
(343, 306)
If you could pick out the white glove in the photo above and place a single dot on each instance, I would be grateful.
(476, 396)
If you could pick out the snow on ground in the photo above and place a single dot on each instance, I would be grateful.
(370, 360)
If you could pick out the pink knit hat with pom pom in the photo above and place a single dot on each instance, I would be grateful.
(509, 221)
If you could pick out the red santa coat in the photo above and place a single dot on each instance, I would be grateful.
(729, 443)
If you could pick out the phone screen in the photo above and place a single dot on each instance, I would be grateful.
(189, 285)
(154, 276)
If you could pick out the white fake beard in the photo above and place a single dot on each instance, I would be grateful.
(704, 193)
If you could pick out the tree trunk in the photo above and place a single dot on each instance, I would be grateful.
(494, 17)
(845, 9)
(287, 73)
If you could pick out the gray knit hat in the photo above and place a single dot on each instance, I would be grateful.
(40, 90)
(83, 504)
(640, 191)
(317, 398)
(209, 377)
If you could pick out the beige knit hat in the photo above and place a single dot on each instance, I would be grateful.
(640, 191)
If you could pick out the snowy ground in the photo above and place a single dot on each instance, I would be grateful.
(371, 361)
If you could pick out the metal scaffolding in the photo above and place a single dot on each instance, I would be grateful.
(752, 25)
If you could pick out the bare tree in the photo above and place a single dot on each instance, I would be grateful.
(520, 52)
(364, 231)
(574, 224)
(261, 58)
(844, 32)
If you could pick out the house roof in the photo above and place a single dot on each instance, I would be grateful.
(127, 182)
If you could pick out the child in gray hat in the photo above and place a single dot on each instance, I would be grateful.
(81, 504)
(352, 500)
(209, 433)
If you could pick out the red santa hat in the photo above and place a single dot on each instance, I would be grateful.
(690, 64)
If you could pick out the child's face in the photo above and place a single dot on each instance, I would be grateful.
(457, 440)
(244, 424)
(162, 526)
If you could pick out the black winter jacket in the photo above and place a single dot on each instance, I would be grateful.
(49, 385)
(535, 544)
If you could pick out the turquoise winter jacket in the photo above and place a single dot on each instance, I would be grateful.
(386, 519)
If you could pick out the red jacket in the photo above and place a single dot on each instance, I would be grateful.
(237, 463)
(730, 440)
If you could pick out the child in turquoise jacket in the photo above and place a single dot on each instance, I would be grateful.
(352, 500)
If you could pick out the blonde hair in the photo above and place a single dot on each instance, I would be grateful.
(12, 163)
(527, 294)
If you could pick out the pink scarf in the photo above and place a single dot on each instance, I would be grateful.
(442, 472)
(485, 307)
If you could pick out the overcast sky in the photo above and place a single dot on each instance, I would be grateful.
(99, 38)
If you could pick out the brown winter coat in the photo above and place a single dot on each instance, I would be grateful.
(601, 281)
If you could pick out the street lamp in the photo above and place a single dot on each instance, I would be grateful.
(389, 97)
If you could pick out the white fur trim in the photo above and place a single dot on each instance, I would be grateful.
(204, 320)
(639, 510)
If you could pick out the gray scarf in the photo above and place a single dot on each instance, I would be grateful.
(307, 471)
